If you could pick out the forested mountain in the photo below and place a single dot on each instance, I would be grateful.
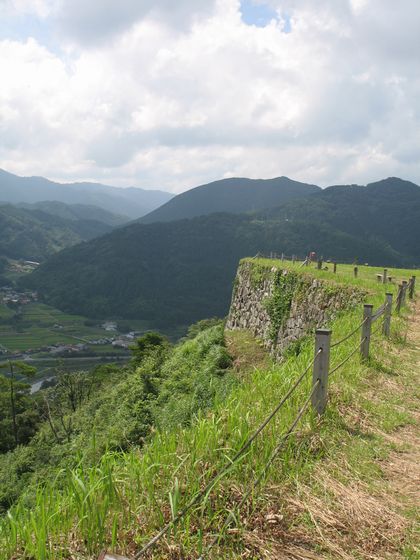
(75, 212)
(35, 235)
(177, 272)
(388, 210)
(236, 196)
(131, 202)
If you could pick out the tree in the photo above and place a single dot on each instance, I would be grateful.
(151, 343)
(15, 406)
(3, 264)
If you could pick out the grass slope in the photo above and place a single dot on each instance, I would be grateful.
(323, 472)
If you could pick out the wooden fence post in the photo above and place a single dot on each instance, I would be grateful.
(335, 268)
(293, 259)
(355, 271)
(384, 276)
(366, 328)
(412, 286)
(399, 298)
(321, 369)
(282, 256)
(319, 265)
(386, 326)
(404, 291)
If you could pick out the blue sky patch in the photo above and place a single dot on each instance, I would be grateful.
(257, 13)
(20, 28)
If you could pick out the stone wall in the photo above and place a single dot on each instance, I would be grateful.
(281, 306)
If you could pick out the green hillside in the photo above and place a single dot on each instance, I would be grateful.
(109, 468)
(35, 235)
(236, 196)
(76, 212)
(179, 272)
(387, 211)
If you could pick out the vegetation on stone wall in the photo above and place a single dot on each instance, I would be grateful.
(285, 287)
(281, 301)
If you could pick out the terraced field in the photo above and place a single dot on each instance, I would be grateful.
(5, 312)
(40, 325)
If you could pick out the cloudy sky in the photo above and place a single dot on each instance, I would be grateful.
(171, 94)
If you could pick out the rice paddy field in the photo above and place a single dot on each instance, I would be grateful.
(40, 325)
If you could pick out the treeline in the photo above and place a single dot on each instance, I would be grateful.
(178, 272)
(111, 408)
(35, 235)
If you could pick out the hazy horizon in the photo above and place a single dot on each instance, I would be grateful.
(156, 188)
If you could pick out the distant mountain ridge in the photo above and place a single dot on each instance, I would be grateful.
(76, 212)
(388, 210)
(36, 235)
(234, 195)
(177, 272)
(131, 202)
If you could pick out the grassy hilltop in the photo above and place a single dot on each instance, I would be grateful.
(152, 436)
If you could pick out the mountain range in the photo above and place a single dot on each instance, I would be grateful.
(175, 272)
(76, 212)
(235, 195)
(131, 202)
(34, 234)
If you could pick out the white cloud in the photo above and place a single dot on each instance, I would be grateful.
(160, 94)
(97, 21)
(13, 8)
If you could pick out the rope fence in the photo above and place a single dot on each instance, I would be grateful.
(379, 312)
(231, 517)
(318, 396)
(378, 328)
(347, 358)
(322, 264)
(353, 332)
(229, 465)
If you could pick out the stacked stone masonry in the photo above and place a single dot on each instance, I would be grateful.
(314, 304)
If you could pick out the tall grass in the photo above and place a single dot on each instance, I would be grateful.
(125, 499)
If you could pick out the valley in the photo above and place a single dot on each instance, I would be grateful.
(101, 371)
(176, 412)
(51, 340)
(176, 272)
(209, 280)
